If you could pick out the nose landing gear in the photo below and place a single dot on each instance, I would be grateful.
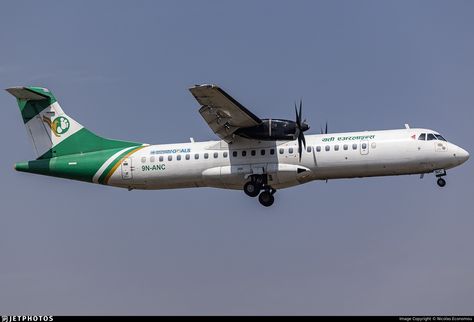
(256, 184)
(440, 174)
(441, 182)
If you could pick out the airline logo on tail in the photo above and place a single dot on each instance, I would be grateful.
(59, 125)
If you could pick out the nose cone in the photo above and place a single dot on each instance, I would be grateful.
(462, 155)
(304, 127)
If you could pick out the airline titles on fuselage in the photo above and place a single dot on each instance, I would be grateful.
(171, 151)
(349, 138)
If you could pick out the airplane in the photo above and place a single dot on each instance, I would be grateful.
(258, 156)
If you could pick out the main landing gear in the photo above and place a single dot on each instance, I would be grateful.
(255, 186)
(440, 174)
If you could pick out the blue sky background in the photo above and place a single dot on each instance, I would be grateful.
(394, 245)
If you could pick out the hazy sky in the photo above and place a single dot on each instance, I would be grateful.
(394, 245)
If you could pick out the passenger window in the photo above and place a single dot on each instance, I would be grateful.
(161, 158)
(318, 149)
(244, 153)
(336, 148)
(430, 137)
(354, 146)
(170, 158)
(364, 146)
(345, 147)
(327, 148)
(206, 155)
(143, 159)
(234, 154)
(187, 157)
(422, 137)
(216, 155)
(225, 154)
(262, 152)
(308, 149)
(196, 156)
(272, 151)
(152, 159)
(178, 157)
(252, 153)
(281, 151)
(290, 150)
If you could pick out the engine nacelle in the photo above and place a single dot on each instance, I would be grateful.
(271, 130)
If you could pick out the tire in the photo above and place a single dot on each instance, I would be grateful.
(266, 199)
(441, 182)
(251, 189)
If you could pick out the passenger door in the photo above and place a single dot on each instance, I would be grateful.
(127, 169)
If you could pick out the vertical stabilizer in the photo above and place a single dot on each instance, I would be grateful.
(52, 132)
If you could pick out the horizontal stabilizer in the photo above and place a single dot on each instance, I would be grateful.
(31, 94)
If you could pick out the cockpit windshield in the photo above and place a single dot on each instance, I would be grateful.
(430, 137)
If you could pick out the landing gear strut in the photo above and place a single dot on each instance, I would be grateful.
(256, 184)
(440, 174)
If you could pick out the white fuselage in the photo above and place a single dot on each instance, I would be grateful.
(327, 156)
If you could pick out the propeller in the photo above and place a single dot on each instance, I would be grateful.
(300, 128)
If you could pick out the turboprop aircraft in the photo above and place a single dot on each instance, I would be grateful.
(255, 155)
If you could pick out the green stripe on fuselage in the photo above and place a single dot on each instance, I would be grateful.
(111, 165)
(81, 167)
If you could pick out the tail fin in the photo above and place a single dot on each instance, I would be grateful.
(52, 132)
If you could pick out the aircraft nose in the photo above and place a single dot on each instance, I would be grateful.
(462, 155)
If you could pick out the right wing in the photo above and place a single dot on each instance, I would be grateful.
(223, 114)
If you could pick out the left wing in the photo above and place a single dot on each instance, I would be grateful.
(223, 113)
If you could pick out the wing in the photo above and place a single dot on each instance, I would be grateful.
(223, 113)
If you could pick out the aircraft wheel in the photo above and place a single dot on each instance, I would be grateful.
(251, 189)
(441, 182)
(266, 199)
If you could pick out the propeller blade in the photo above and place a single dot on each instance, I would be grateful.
(297, 133)
(299, 118)
(326, 131)
(303, 139)
(300, 149)
(299, 129)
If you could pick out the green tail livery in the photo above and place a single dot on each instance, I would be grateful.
(64, 148)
